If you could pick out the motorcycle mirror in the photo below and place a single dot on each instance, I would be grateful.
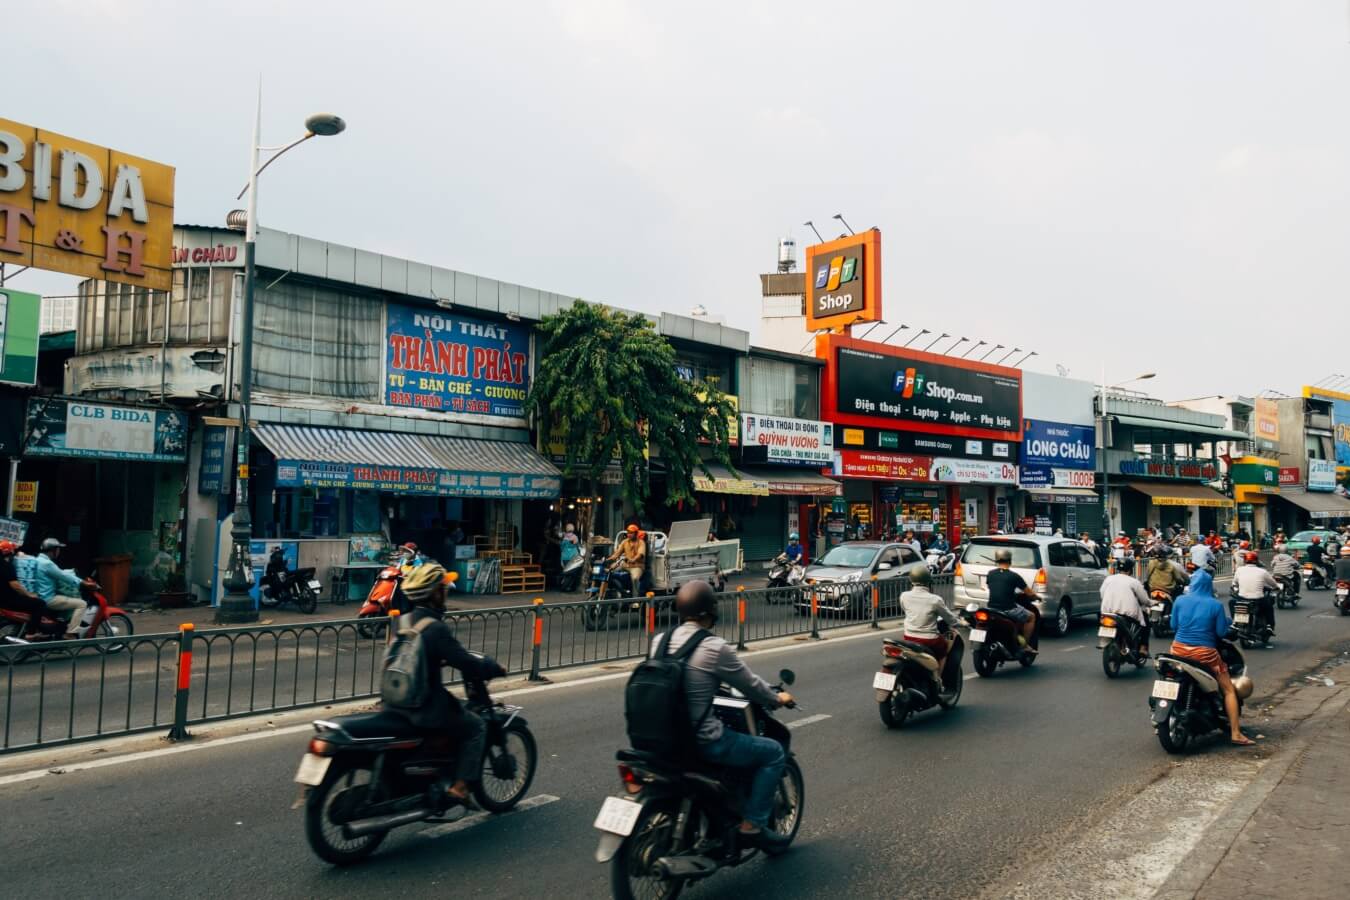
(787, 676)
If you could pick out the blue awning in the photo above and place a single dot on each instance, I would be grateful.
(396, 462)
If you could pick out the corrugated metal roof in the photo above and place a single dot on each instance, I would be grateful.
(423, 451)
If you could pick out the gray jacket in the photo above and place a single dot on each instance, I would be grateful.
(713, 662)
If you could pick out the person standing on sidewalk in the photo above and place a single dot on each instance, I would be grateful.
(1200, 622)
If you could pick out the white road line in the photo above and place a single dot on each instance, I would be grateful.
(809, 720)
(1071, 649)
(970, 676)
(479, 818)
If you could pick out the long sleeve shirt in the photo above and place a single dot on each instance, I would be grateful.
(714, 662)
(51, 580)
(1125, 596)
(923, 610)
(1253, 582)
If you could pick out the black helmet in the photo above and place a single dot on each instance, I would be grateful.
(696, 599)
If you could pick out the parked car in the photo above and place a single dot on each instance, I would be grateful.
(1299, 543)
(841, 580)
(1065, 574)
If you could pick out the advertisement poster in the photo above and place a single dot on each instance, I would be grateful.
(19, 315)
(99, 431)
(1340, 422)
(13, 530)
(25, 496)
(1267, 421)
(882, 466)
(1055, 454)
(1321, 475)
(973, 471)
(1289, 476)
(451, 363)
(802, 442)
(912, 388)
(402, 480)
(214, 476)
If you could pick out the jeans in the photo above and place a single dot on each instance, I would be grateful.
(73, 606)
(742, 751)
(469, 734)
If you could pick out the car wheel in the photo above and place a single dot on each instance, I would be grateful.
(1063, 619)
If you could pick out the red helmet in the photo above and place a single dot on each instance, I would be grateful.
(8, 548)
(1317, 539)
(1250, 557)
(1244, 545)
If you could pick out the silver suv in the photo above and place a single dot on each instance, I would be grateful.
(1064, 574)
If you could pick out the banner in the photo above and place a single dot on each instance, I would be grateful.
(1266, 424)
(100, 431)
(1340, 422)
(1321, 475)
(455, 364)
(19, 315)
(790, 441)
(882, 466)
(1058, 444)
(1290, 477)
(407, 480)
(973, 471)
(217, 461)
(25, 496)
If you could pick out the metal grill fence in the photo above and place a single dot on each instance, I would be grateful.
(61, 693)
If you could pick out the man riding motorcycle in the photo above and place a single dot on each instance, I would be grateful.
(940, 544)
(1200, 622)
(1343, 564)
(59, 588)
(1317, 556)
(1005, 586)
(1203, 557)
(923, 609)
(1252, 583)
(1285, 568)
(13, 595)
(1161, 575)
(1123, 596)
(794, 549)
(712, 662)
(424, 587)
(633, 551)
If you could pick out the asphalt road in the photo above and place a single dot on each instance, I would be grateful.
(938, 809)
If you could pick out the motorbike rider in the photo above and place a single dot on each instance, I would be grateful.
(913, 542)
(1203, 557)
(633, 552)
(1254, 584)
(59, 588)
(569, 544)
(1005, 586)
(14, 596)
(1200, 622)
(1317, 556)
(713, 662)
(1123, 596)
(923, 609)
(424, 587)
(940, 544)
(1161, 575)
(794, 549)
(1285, 568)
(1343, 564)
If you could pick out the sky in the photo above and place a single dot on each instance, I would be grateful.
(1121, 187)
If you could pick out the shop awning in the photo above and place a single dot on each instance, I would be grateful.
(793, 480)
(397, 462)
(1202, 431)
(1167, 493)
(1319, 505)
(1062, 495)
(723, 482)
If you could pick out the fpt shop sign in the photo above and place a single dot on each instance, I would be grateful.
(790, 441)
(455, 364)
(99, 431)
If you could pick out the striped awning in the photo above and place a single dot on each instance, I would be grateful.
(720, 480)
(399, 462)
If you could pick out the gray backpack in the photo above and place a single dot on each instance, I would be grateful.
(404, 684)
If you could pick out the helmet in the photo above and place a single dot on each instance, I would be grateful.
(632, 529)
(696, 600)
(1345, 551)
(1316, 539)
(1249, 557)
(1003, 555)
(52, 544)
(1243, 685)
(794, 536)
(420, 585)
(919, 575)
(9, 548)
(1243, 545)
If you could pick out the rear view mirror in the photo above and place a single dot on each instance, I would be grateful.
(787, 676)
(882, 567)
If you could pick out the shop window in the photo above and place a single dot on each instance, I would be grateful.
(311, 341)
(771, 387)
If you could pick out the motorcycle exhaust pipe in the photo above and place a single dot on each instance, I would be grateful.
(363, 827)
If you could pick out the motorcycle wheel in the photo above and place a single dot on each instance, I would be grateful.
(508, 769)
(595, 618)
(788, 803)
(1173, 737)
(116, 625)
(893, 714)
(371, 632)
(343, 792)
(985, 665)
(1111, 660)
(632, 874)
(949, 698)
(307, 600)
(1345, 610)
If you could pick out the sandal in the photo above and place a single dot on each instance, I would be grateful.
(1244, 742)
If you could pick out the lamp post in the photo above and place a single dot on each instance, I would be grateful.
(236, 605)
(1105, 446)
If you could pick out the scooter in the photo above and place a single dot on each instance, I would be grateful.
(910, 680)
(993, 635)
(101, 620)
(1121, 640)
(1342, 600)
(609, 582)
(1287, 597)
(1251, 625)
(940, 563)
(569, 580)
(785, 572)
(280, 585)
(1314, 578)
(1186, 702)
(1160, 613)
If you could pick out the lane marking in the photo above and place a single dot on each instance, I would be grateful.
(479, 818)
(1071, 649)
(970, 676)
(809, 720)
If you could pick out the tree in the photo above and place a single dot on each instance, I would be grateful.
(605, 386)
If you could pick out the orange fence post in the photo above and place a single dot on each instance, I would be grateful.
(538, 645)
(740, 617)
(876, 602)
(179, 730)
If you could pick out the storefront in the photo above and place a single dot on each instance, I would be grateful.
(1309, 509)
(1154, 504)
(1254, 480)
(1058, 479)
(764, 505)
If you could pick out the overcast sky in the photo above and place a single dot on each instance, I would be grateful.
(1149, 185)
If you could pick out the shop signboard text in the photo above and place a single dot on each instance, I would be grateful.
(410, 480)
(1058, 454)
(1194, 469)
(790, 441)
(1321, 475)
(883, 466)
(843, 281)
(99, 431)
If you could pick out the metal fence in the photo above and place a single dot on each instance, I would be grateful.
(60, 693)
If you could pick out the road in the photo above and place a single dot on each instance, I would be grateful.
(938, 809)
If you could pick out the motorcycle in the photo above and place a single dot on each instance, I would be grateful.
(101, 620)
(569, 579)
(1160, 613)
(1287, 597)
(940, 563)
(675, 823)
(1251, 624)
(1186, 702)
(609, 582)
(1343, 597)
(1314, 578)
(909, 680)
(280, 585)
(366, 774)
(785, 572)
(1120, 639)
(993, 636)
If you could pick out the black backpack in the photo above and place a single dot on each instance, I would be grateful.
(655, 705)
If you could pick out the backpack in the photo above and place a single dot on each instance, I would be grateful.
(404, 683)
(655, 705)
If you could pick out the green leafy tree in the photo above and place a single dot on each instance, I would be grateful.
(605, 387)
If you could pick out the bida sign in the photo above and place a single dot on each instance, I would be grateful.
(74, 207)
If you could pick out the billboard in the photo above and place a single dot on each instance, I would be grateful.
(882, 466)
(1266, 422)
(1340, 423)
(455, 364)
(881, 386)
(1321, 475)
(801, 442)
(74, 207)
(101, 431)
(843, 281)
(19, 316)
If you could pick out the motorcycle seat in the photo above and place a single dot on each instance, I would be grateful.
(382, 723)
(917, 648)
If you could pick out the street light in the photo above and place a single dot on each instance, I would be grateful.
(1010, 353)
(1101, 431)
(973, 349)
(940, 337)
(236, 605)
(997, 347)
(922, 332)
(948, 351)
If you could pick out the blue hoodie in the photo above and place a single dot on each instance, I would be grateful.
(1198, 618)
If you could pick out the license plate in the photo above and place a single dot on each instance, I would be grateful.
(618, 816)
(1105, 631)
(977, 635)
(884, 681)
(597, 570)
(314, 586)
(1343, 592)
(1166, 690)
(312, 768)
(1241, 618)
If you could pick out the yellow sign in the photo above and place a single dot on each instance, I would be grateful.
(78, 208)
(1192, 501)
(1267, 420)
(25, 496)
(744, 485)
(854, 437)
